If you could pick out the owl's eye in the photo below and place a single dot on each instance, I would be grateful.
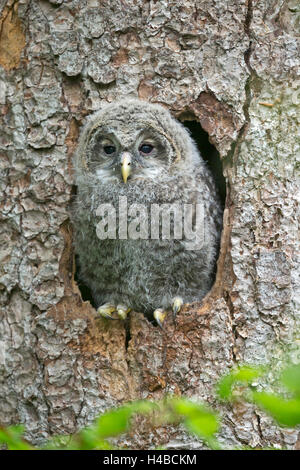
(109, 149)
(146, 149)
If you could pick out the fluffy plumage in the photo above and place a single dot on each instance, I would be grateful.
(143, 274)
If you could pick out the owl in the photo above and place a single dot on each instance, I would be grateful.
(140, 178)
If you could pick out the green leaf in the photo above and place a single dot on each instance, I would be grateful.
(114, 422)
(86, 439)
(285, 412)
(109, 424)
(244, 374)
(204, 425)
(142, 406)
(291, 379)
(186, 407)
(13, 438)
(198, 418)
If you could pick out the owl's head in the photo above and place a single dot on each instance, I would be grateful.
(132, 140)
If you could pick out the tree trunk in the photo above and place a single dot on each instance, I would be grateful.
(232, 66)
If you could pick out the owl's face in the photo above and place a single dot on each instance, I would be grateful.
(131, 143)
(115, 152)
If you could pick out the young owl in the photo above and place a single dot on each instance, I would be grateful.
(134, 161)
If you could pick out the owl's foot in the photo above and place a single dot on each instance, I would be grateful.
(176, 306)
(113, 312)
(107, 311)
(160, 315)
(123, 311)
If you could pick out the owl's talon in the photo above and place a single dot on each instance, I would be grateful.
(160, 315)
(176, 306)
(106, 311)
(123, 311)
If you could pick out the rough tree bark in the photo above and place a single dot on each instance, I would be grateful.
(234, 67)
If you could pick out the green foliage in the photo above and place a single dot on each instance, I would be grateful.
(110, 424)
(13, 438)
(197, 418)
(286, 412)
(291, 379)
(243, 374)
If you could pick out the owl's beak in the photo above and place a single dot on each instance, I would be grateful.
(125, 165)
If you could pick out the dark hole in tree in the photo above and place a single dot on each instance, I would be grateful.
(210, 156)
(85, 291)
